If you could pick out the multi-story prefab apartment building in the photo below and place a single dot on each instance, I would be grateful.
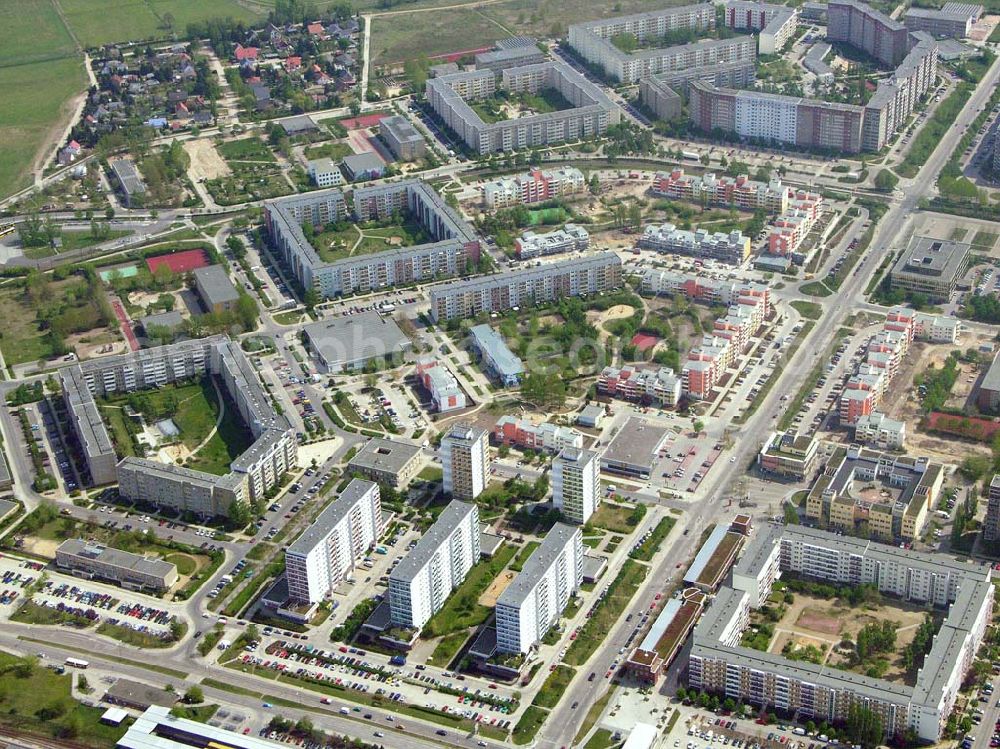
(455, 244)
(252, 473)
(952, 20)
(734, 74)
(775, 24)
(580, 276)
(592, 112)
(498, 60)
(443, 556)
(660, 99)
(867, 29)
(534, 186)
(536, 598)
(991, 524)
(576, 485)
(719, 664)
(465, 460)
(327, 550)
(592, 40)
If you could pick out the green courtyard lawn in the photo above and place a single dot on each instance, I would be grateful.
(522, 556)
(246, 149)
(531, 720)
(462, 609)
(344, 239)
(335, 150)
(37, 701)
(617, 518)
(231, 439)
(447, 648)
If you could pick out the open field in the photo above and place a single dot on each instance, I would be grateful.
(33, 33)
(37, 700)
(438, 32)
(36, 99)
(97, 22)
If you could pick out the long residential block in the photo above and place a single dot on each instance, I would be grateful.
(591, 112)
(454, 244)
(581, 276)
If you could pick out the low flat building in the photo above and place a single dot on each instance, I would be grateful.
(931, 267)
(526, 435)
(350, 342)
(666, 636)
(7, 509)
(952, 20)
(215, 289)
(790, 455)
(497, 359)
(170, 322)
(133, 187)
(632, 450)
(402, 138)
(298, 125)
(387, 462)
(571, 238)
(158, 729)
(591, 416)
(714, 558)
(446, 394)
(132, 571)
(360, 167)
(501, 59)
(139, 696)
(732, 248)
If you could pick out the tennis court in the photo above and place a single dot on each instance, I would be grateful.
(119, 271)
(179, 262)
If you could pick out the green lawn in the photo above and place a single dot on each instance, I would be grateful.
(33, 33)
(815, 288)
(200, 713)
(35, 98)
(531, 720)
(600, 740)
(984, 240)
(185, 564)
(344, 240)
(616, 518)
(462, 609)
(37, 700)
(809, 310)
(651, 545)
(32, 613)
(620, 593)
(231, 439)
(246, 149)
(447, 648)
(335, 150)
(133, 637)
(554, 686)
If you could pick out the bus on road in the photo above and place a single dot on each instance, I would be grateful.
(76, 663)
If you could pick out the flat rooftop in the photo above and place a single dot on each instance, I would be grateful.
(538, 564)
(926, 256)
(636, 443)
(384, 455)
(354, 339)
(336, 511)
(450, 519)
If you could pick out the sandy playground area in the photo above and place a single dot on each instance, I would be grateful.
(498, 586)
(598, 318)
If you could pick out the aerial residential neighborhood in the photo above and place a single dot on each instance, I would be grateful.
(559, 375)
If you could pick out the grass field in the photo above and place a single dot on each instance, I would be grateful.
(614, 518)
(462, 609)
(37, 700)
(526, 728)
(554, 686)
(620, 593)
(33, 33)
(442, 31)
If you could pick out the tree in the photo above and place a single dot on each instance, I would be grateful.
(864, 726)
(252, 632)
(886, 181)
(239, 514)
(543, 390)
(355, 107)
(194, 695)
(168, 21)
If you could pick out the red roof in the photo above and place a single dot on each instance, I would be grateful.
(74, 145)
(316, 28)
(246, 53)
(293, 63)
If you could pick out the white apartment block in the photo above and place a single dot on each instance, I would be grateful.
(424, 579)
(576, 485)
(327, 550)
(936, 328)
(732, 248)
(536, 598)
(878, 430)
(465, 458)
(571, 238)
(776, 24)
(325, 173)
(535, 186)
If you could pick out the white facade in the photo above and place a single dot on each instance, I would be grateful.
(531, 604)
(422, 582)
(326, 552)
(465, 456)
(879, 430)
(935, 328)
(325, 173)
(576, 484)
(774, 118)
